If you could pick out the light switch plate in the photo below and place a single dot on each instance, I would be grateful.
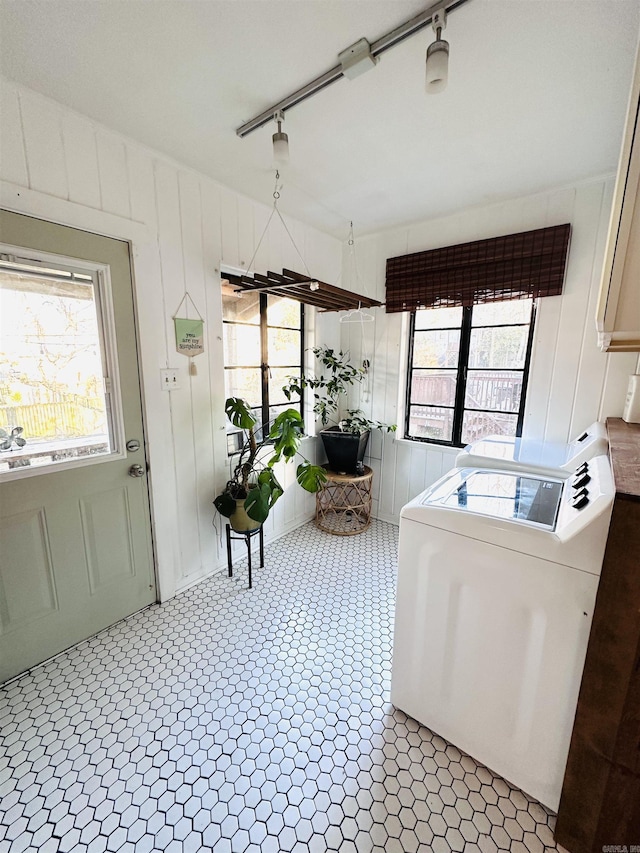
(170, 378)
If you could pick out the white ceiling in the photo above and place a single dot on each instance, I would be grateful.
(536, 97)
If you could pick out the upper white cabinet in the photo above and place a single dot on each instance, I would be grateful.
(618, 314)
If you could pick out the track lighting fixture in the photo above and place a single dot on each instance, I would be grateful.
(280, 142)
(437, 56)
(364, 55)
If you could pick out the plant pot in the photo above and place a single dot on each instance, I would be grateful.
(344, 449)
(240, 521)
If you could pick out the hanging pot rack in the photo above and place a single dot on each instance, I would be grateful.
(303, 288)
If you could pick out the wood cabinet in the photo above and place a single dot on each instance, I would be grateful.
(600, 802)
(618, 312)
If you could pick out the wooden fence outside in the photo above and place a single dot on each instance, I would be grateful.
(80, 416)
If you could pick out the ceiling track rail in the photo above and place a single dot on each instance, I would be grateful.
(378, 47)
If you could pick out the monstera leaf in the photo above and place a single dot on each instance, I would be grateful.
(311, 477)
(261, 499)
(8, 439)
(285, 433)
(225, 504)
(239, 413)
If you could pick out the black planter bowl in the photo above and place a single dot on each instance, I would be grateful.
(344, 449)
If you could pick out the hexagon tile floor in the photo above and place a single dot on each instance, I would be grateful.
(248, 720)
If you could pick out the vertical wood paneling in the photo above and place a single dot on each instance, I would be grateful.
(229, 227)
(573, 312)
(41, 120)
(170, 241)
(560, 209)
(592, 367)
(246, 243)
(542, 366)
(417, 474)
(82, 160)
(402, 474)
(212, 251)
(200, 384)
(114, 180)
(142, 191)
(260, 219)
(388, 481)
(434, 467)
(193, 223)
(12, 156)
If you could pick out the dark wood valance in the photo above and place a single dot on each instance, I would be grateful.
(518, 266)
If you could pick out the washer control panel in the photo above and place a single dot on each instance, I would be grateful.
(586, 494)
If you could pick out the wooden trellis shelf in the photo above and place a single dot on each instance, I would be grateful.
(294, 285)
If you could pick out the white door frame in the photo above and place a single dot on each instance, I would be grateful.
(145, 268)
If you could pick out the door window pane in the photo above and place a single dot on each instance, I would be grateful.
(53, 406)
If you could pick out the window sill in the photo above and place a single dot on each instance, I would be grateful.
(430, 445)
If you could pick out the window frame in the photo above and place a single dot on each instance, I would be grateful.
(462, 370)
(263, 328)
(100, 273)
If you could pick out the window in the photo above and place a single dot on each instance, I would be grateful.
(56, 400)
(468, 371)
(263, 344)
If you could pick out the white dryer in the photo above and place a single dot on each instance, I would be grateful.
(545, 457)
(497, 579)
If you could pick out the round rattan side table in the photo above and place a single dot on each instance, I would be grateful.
(343, 505)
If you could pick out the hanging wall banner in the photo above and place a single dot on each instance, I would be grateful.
(189, 336)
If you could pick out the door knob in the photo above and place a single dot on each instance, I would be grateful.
(136, 471)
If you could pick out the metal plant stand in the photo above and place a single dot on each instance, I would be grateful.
(246, 537)
(343, 505)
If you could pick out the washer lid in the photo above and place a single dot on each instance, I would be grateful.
(501, 494)
(546, 458)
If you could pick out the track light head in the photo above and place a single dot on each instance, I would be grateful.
(437, 66)
(280, 142)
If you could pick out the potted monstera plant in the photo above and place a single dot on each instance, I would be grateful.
(345, 442)
(252, 491)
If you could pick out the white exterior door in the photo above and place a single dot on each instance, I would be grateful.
(75, 530)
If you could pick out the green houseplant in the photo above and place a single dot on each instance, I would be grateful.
(346, 441)
(252, 491)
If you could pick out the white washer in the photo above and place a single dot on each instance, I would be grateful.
(549, 458)
(497, 579)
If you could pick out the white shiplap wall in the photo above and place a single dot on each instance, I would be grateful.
(571, 382)
(58, 165)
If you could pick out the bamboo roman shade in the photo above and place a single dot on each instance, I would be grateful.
(518, 266)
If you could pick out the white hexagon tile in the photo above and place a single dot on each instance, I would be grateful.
(248, 721)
